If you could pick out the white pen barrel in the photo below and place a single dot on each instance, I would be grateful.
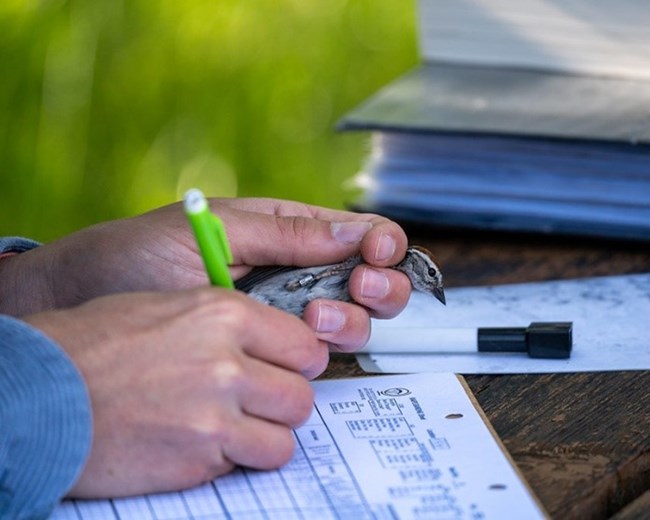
(422, 340)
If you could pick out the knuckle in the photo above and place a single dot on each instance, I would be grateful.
(234, 314)
(206, 460)
(203, 297)
(212, 432)
(205, 305)
(299, 227)
(293, 228)
(228, 375)
(233, 307)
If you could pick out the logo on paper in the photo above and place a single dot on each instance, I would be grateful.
(396, 392)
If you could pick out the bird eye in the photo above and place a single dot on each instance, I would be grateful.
(432, 272)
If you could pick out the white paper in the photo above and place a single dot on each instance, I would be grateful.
(385, 447)
(610, 315)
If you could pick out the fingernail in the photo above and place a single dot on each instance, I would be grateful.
(330, 319)
(385, 247)
(374, 284)
(349, 232)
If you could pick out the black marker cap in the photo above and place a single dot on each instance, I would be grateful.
(547, 340)
(550, 340)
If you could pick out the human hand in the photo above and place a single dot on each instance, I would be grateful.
(186, 384)
(156, 251)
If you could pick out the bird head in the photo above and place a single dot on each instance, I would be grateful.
(423, 271)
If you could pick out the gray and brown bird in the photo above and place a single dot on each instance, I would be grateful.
(292, 288)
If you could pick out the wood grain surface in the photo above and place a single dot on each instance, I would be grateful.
(581, 440)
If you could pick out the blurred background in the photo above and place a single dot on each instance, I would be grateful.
(109, 108)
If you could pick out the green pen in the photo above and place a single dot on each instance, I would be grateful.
(211, 238)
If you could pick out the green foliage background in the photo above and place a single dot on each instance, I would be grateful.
(113, 107)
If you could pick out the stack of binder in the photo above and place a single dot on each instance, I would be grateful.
(507, 127)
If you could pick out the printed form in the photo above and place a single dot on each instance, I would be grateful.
(385, 447)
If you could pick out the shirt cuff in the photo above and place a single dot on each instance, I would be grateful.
(16, 245)
(46, 420)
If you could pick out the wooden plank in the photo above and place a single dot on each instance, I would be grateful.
(581, 440)
(640, 508)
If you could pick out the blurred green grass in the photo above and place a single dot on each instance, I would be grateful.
(111, 107)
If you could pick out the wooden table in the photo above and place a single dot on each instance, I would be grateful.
(581, 440)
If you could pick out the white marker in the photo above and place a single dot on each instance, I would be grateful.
(548, 340)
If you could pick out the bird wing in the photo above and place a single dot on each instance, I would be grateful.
(260, 274)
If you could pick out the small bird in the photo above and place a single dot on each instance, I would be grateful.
(292, 288)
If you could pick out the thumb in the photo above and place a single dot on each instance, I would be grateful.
(260, 239)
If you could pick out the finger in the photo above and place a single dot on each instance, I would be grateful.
(260, 239)
(384, 245)
(385, 292)
(345, 326)
(289, 208)
(270, 335)
(259, 444)
(267, 391)
(273, 232)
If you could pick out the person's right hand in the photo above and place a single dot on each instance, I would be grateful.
(185, 385)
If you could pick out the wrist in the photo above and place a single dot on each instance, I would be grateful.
(24, 287)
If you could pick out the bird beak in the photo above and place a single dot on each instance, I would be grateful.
(440, 294)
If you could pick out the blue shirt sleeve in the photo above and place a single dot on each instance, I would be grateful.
(46, 422)
(16, 244)
(45, 417)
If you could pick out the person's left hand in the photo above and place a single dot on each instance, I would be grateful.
(157, 251)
